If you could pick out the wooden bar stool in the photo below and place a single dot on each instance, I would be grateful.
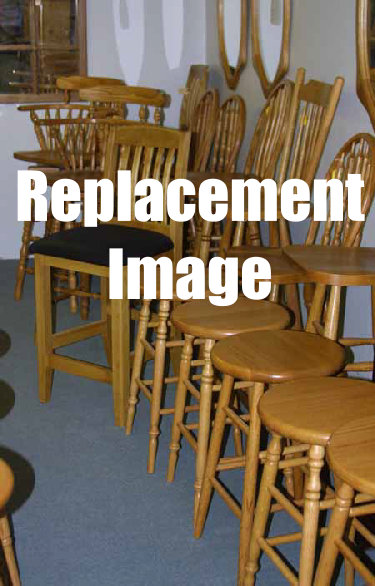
(203, 322)
(308, 412)
(6, 490)
(351, 458)
(262, 358)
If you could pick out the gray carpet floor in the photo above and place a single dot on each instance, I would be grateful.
(84, 511)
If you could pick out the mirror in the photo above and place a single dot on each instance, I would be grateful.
(270, 40)
(232, 28)
(365, 41)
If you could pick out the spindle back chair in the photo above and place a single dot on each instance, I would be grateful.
(203, 129)
(74, 83)
(196, 86)
(229, 133)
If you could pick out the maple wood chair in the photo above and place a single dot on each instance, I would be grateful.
(116, 100)
(308, 412)
(6, 491)
(351, 459)
(148, 151)
(196, 86)
(75, 83)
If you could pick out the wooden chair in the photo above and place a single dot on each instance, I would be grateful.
(86, 250)
(75, 83)
(351, 459)
(261, 358)
(116, 99)
(229, 133)
(196, 86)
(307, 412)
(6, 491)
(203, 130)
(202, 323)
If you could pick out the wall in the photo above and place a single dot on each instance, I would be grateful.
(126, 39)
(323, 41)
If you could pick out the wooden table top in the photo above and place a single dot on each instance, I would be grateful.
(335, 265)
(46, 158)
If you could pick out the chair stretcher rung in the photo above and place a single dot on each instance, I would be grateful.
(355, 561)
(227, 498)
(236, 420)
(279, 563)
(188, 436)
(230, 463)
(286, 504)
(81, 368)
(67, 337)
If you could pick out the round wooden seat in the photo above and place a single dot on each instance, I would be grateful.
(351, 452)
(6, 483)
(202, 319)
(310, 410)
(277, 356)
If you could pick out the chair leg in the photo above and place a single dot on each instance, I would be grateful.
(348, 567)
(120, 316)
(7, 544)
(106, 317)
(85, 285)
(43, 308)
(204, 421)
(24, 255)
(336, 529)
(139, 352)
(213, 455)
(263, 508)
(311, 515)
(157, 386)
(179, 409)
(250, 477)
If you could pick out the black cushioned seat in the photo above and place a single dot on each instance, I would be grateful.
(92, 244)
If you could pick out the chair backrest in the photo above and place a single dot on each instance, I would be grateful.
(270, 132)
(196, 85)
(40, 112)
(356, 156)
(149, 152)
(229, 133)
(203, 130)
(74, 83)
(115, 99)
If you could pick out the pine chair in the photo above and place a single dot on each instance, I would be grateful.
(74, 83)
(149, 151)
(6, 491)
(115, 100)
(196, 86)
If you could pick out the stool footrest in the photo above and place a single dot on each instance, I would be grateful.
(227, 498)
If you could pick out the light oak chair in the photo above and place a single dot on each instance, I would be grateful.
(203, 323)
(308, 412)
(6, 491)
(196, 86)
(74, 83)
(203, 126)
(116, 100)
(262, 358)
(351, 459)
(149, 151)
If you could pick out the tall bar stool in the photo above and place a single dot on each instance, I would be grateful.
(262, 358)
(203, 323)
(308, 412)
(351, 458)
(6, 490)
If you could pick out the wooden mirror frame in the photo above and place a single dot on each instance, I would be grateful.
(232, 74)
(283, 66)
(365, 85)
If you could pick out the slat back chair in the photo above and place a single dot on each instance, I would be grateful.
(196, 86)
(229, 133)
(148, 151)
(117, 99)
(47, 112)
(203, 129)
(74, 83)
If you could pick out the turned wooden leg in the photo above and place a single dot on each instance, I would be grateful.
(24, 255)
(179, 407)
(336, 529)
(311, 515)
(157, 386)
(333, 314)
(263, 508)
(237, 438)
(120, 316)
(105, 315)
(85, 285)
(250, 477)
(7, 544)
(315, 313)
(139, 352)
(205, 241)
(348, 567)
(43, 310)
(213, 455)
(204, 421)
